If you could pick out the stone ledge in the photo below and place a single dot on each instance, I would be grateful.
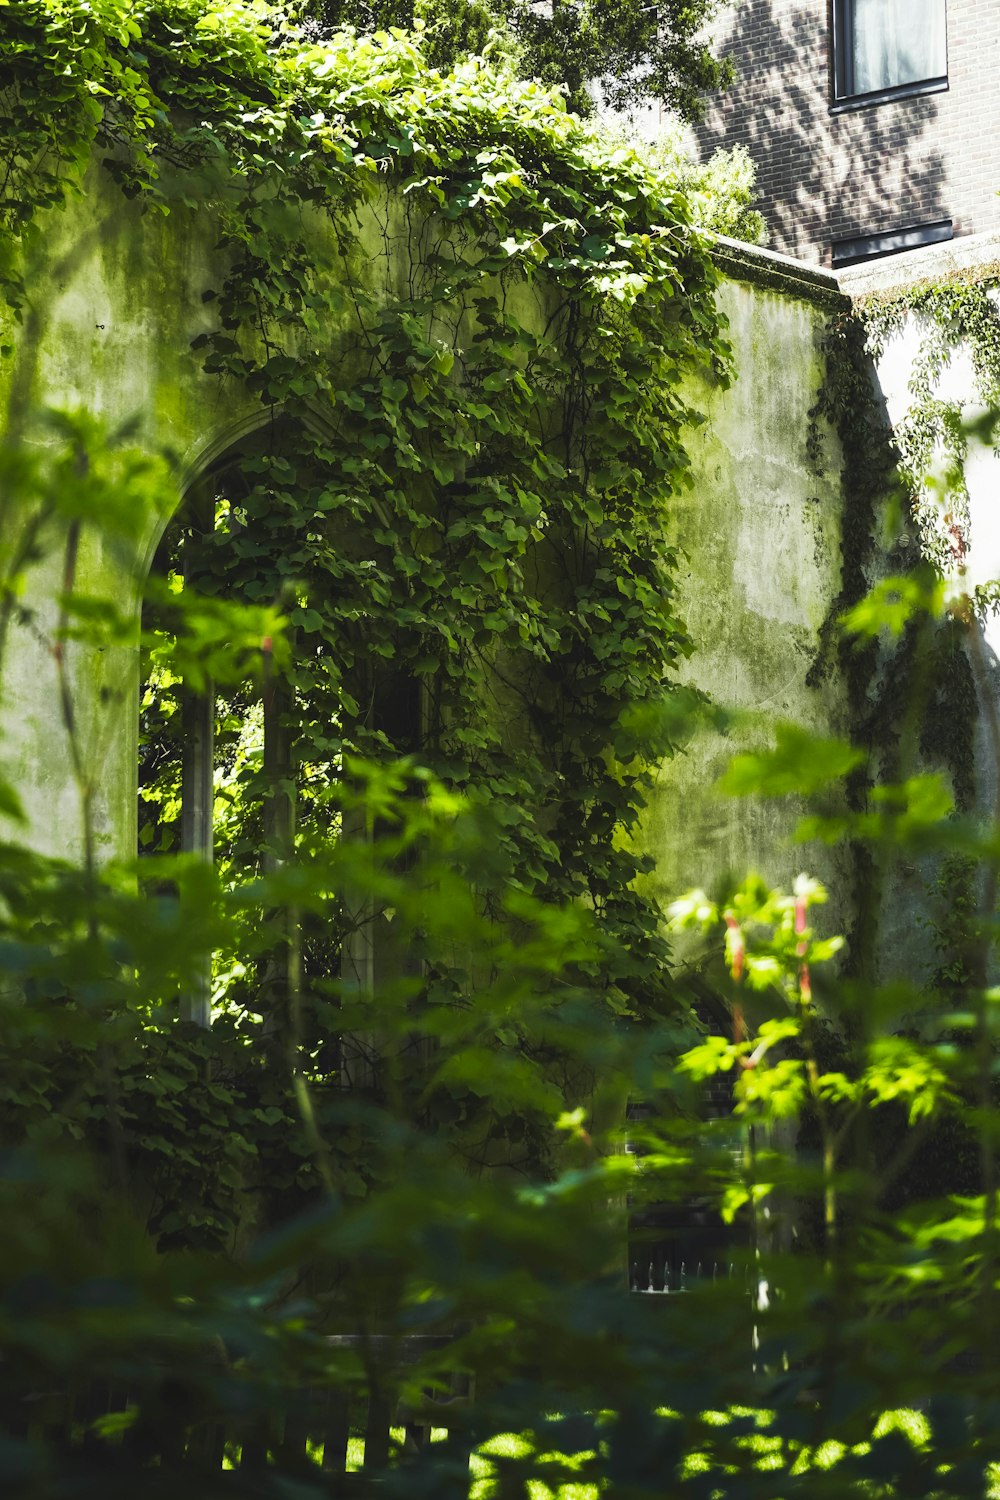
(971, 257)
(779, 273)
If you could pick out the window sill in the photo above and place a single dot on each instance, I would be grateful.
(889, 96)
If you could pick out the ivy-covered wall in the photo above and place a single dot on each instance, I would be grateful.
(930, 326)
(118, 310)
(114, 302)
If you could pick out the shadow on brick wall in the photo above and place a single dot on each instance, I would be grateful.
(820, 177)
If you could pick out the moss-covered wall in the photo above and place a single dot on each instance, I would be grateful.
(933, 321)
(761, 534)
(115, 300)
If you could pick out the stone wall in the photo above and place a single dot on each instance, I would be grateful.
(114, 302)
(968, 260)
(115, 299)
(761, 534)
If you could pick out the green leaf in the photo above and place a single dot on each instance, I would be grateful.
(800, 762)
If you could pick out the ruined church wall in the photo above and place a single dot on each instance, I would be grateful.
(116, 296)
(114, 299)
(760, 534)
(901, 387)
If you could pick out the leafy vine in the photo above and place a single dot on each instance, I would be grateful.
(916, 696)
(953, 316)
(463, 488)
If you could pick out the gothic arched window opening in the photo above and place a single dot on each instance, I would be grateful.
(228, 771)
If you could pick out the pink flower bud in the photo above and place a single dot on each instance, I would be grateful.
(735, 946)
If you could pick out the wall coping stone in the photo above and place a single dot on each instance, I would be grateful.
(780, 273)
(971, 257)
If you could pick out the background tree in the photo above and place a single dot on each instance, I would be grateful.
(634, 51)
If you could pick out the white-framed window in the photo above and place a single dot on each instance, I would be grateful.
(884, 48)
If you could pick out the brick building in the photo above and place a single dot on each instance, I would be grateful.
(874, 124)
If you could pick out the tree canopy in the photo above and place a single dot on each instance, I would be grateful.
(633, 51)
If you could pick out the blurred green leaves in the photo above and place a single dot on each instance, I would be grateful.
(213, 1227)
(799, 762)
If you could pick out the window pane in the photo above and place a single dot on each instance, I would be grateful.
(897, 42)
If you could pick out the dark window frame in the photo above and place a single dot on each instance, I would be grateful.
(867, 247)
(844, 96)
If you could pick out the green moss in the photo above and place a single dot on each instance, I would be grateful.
(770, 274)
(460, 324)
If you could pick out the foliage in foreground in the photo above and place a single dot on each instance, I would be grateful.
(192, 1220)
(859, 1300)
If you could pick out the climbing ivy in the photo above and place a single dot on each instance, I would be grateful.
(468, 442)
(915, 696)
(954, 316)
(847, 402)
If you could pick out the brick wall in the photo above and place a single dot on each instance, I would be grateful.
(824, 176)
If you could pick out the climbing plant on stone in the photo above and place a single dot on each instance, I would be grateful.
(911, 698)
(959, 313)
(464, 486)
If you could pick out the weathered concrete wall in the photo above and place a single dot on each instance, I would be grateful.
(116, 298)
(956, 383)
(761, 534)
(114, 302)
